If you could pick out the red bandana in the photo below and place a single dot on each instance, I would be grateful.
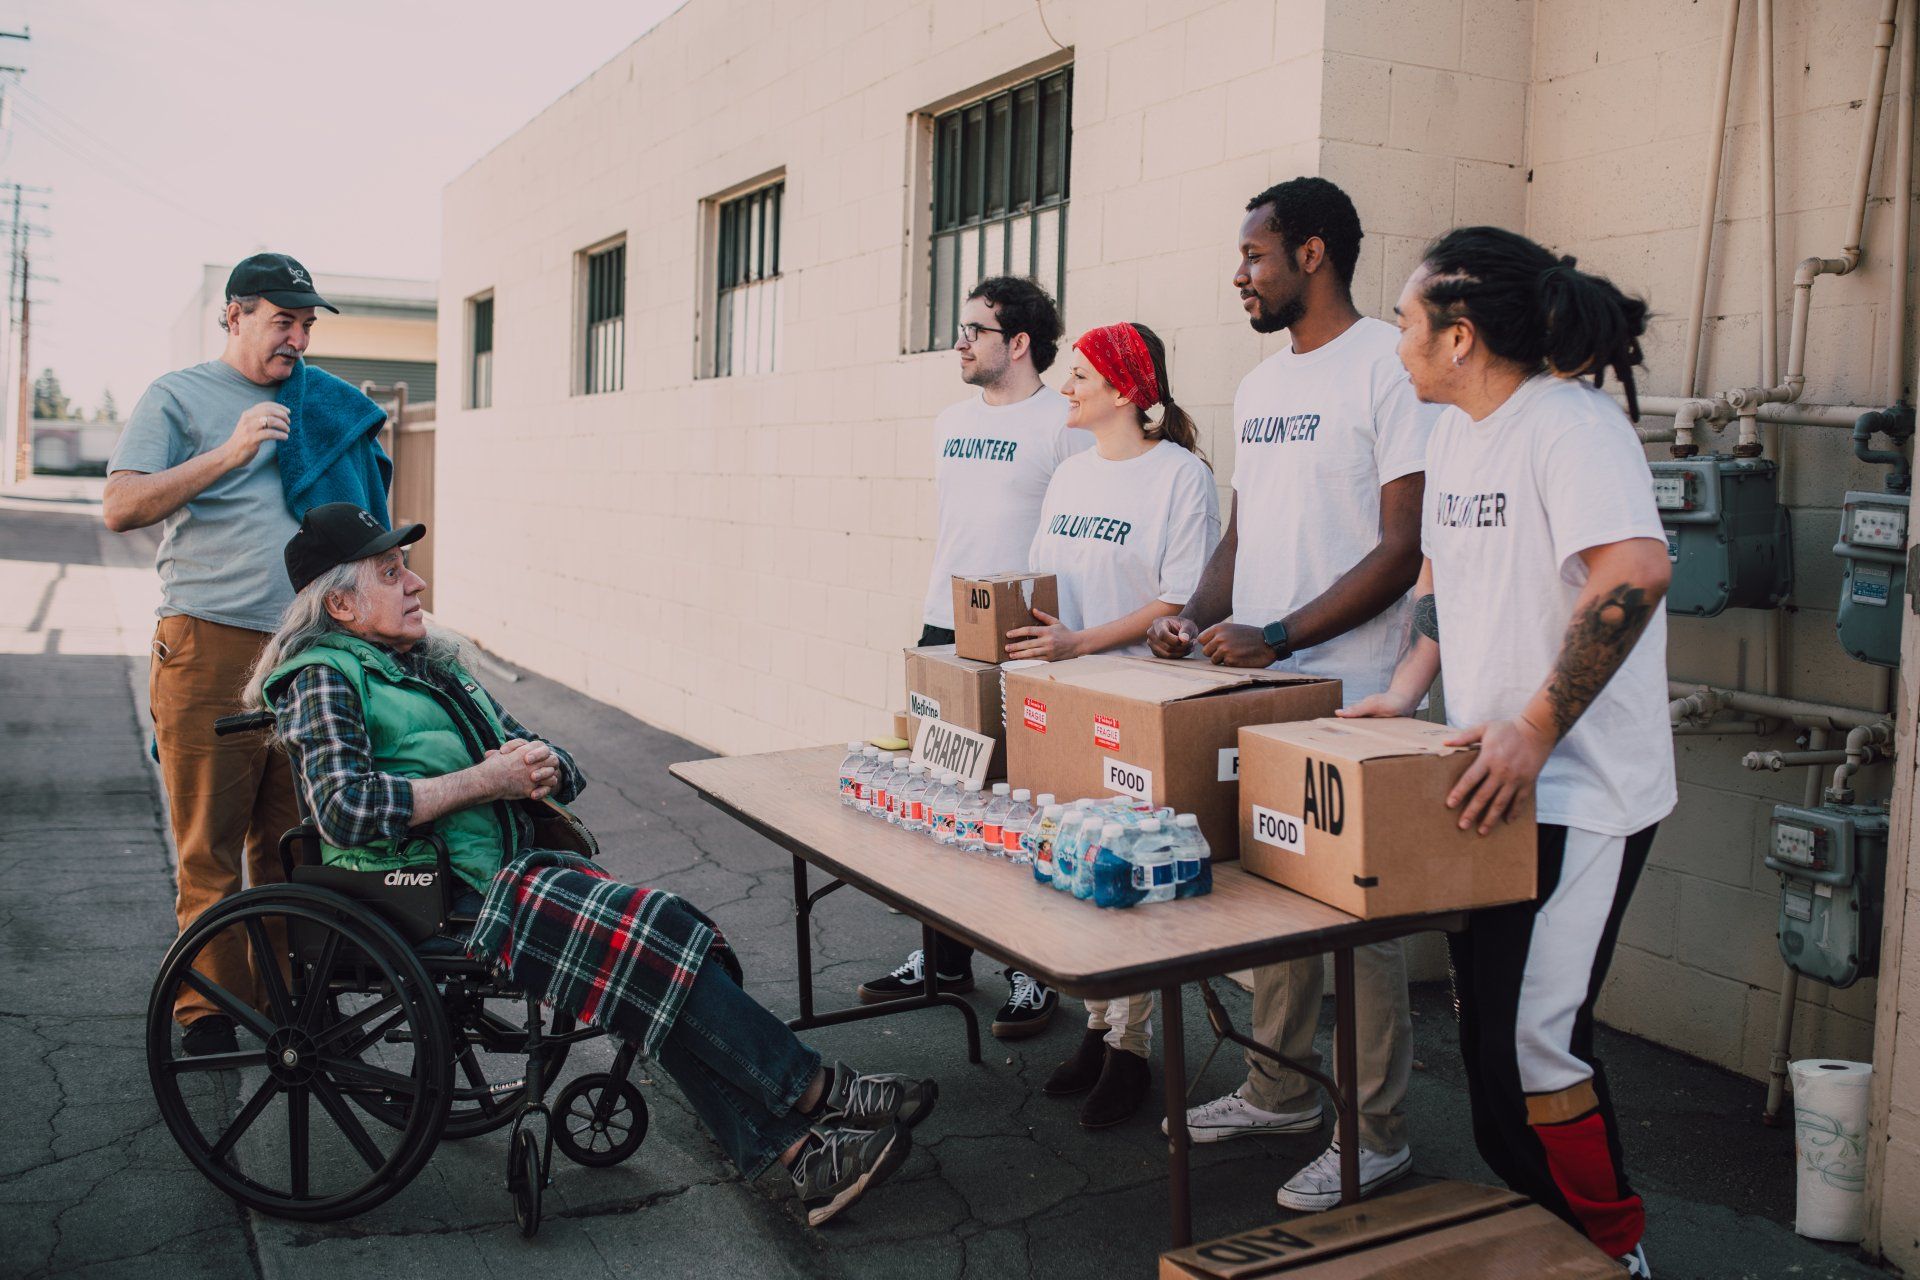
(1120, 354)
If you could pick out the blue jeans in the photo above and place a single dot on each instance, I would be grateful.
(741, 1068)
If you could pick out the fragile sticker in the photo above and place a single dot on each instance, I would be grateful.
(1106, 733)
(1035, 715)
(1127, 779)
(1281, 830)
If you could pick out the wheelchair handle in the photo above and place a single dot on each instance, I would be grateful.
(442, 863)
(245, 722)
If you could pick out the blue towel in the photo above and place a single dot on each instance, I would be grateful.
(332, 451)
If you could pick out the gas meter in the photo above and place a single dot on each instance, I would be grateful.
(1728, 537)
(1873, 546)
(1832, 865)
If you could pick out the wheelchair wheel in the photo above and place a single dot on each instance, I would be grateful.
(599, 1120)
(247, 1119)
(488, 1048)
(524, 1180)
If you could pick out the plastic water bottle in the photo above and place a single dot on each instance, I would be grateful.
(849, 766)
(1075, 846)
(1093, 838)
(863, 780)
(1013, 828)
(1193, 859)
(1036, 846)
(881, 804)
(1114, 867)
(993, 823)
(1153, 862)
(1063, 848)
(970, 819)
(941, 809)
(913, 801)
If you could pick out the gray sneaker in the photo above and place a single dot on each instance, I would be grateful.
(869, 1102)
(838, 1165)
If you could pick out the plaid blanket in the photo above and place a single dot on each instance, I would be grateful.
(611, 954)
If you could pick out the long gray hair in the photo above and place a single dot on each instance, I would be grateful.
(307, 620)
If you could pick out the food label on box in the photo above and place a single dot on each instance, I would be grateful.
(1106, 733)
(1229, 765)
(1281, 830)
(921, 705)
(1127, 779)
(1035, 715)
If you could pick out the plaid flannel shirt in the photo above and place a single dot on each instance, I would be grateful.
(354, 804)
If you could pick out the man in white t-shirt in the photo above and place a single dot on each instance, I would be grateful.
(1320, 550)
(993, 457)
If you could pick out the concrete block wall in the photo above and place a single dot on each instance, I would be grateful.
(739, 560)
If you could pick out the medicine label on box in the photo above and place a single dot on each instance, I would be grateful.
(921, 705)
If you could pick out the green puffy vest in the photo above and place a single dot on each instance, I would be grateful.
(418, 731)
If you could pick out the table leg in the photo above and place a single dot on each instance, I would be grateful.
(1173, 1062)
(803, 937)
(1346, 1072)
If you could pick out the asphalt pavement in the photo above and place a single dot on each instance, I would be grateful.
(1002, 1181)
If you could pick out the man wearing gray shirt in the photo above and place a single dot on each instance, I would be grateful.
(198, 457)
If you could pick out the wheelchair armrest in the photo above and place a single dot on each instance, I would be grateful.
(442, 863)
(245, 722)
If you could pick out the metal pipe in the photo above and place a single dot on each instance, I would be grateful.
(1715, 412)
(1710, 197)
(1869, 132)
(1775, 761)
(1696, 708)
(1902, 193)
(1865, 744)
(1789, 976)
(1812, 715)
(1728, 728)
(1769, 221)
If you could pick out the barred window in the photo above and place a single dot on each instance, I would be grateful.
(746, 331)
(999, 194)
(480, 369)
(604, 296)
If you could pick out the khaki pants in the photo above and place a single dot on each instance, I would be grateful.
(1286, 1011)
(229, 798)
(1127, 1020)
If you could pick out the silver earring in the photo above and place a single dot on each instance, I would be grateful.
(1458, 361)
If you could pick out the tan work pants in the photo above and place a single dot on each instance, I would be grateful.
(1286, 1011)
(229, 798)
(1127, 1020)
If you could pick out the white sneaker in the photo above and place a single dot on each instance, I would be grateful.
(1317, 1186)
(1636, 1263)
(1234, 1117)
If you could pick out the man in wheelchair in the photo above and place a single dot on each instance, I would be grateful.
(390, 734)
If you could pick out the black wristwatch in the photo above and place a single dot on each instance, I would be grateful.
(1275, 634)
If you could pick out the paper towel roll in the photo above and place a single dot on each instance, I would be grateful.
(1830, 1146)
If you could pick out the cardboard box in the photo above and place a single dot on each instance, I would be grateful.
(905, 725)
(944, 686)
(985, 609)
(1165, 731)
(1445, 1229)
(1353, 812)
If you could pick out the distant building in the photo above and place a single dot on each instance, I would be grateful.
(385, 331)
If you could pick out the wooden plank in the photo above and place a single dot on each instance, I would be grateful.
(997, 907)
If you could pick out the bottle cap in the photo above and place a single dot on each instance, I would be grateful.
(1022, 794)
(1112, 831)
(1186, 820)
(1151, 824)
(973, 786)
(1001, 788)
(853, 746)
(1052, 811)
(1044, 799)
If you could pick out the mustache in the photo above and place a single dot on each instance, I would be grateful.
(288, 352)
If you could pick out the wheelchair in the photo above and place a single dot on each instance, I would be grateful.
(379, 1038)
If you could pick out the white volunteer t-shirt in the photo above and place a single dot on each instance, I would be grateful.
(991, 465)
(1316, 437)
(1511, 502)
(1120, 535)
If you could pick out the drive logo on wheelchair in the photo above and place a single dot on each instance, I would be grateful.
(421, 879)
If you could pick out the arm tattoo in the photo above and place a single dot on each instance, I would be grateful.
(1598, 641)
(1426, 618)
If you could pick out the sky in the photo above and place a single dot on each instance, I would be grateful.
(175, 133)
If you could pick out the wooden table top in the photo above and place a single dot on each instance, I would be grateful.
(997, 907)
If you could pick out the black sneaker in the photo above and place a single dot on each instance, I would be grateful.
(838, 1164)
(1028, 1010)
(211, 1033)
(873, 1102)
(910, 979)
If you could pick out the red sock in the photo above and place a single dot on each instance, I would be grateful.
(1582, 1167)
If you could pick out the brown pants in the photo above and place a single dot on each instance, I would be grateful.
(1286, 1011)
(230, 798)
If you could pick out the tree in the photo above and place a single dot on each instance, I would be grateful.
(48, 400)
(107, 411)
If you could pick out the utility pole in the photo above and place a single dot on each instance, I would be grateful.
(16, 462)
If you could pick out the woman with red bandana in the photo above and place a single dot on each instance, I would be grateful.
(1126, 529)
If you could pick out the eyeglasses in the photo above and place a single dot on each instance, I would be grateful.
(970, 333)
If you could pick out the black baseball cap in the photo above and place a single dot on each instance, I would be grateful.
(278, 279)
(338, 533)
